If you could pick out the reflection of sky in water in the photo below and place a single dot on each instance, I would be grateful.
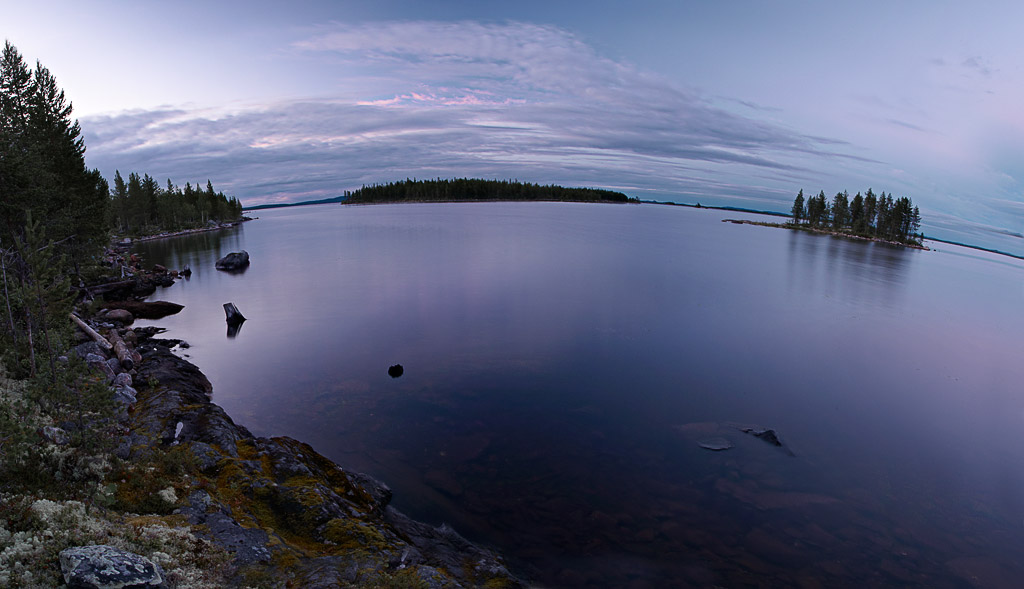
(551, 351)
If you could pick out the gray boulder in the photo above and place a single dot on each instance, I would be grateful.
(55, 435)
(234, 261)
(105, 567)
(123, 379)
(119, 316)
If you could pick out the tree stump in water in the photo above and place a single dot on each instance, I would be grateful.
(232, 313)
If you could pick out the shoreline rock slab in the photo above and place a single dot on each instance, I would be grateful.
(265, 494)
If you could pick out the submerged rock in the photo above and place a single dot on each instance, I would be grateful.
(765, 434)
(234, 261)
(102, 566)
(715, 444)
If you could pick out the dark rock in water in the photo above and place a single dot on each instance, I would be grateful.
(715, 444)
(768, 435)
(234, 261)
(158, 269)
(147, 309)
(102, 566)
(396, 371)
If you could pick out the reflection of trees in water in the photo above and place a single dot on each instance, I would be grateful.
(863, 271)
(194, 249)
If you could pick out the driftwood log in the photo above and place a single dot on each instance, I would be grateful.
(99, 339)
(124, 355)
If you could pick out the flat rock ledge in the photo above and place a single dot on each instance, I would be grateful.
(276, 503)
(105, 567)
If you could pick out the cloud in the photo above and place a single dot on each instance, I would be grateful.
(978, 65)
(430, 99)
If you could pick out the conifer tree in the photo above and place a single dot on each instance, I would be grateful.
(798, 207)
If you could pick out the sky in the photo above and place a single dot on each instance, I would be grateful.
(734, 103)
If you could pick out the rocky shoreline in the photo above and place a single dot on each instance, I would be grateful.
(284, 513)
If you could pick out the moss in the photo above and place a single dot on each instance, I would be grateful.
(349, 534)
(403, 579)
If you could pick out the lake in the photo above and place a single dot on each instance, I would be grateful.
(564, 363)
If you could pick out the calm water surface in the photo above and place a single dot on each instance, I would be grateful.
(563, 362)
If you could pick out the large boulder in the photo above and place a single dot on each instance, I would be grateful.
(119, 316)
(234, 261)
(102, 567)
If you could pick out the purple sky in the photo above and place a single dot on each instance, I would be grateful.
(728, 103)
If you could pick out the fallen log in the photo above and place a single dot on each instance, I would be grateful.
(124, 355)
(99, 339)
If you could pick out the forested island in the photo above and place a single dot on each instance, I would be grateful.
(474, 189)
(868, 216)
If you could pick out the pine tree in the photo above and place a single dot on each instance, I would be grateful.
(798, 207)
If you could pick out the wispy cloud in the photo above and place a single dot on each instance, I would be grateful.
(468, 99)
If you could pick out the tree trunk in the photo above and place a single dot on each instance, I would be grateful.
(7, 300)
(31, 344)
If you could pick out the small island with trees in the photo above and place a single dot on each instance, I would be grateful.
(869, 216)
(476, 190)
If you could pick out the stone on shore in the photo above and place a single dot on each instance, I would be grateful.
(105, 567)
(119, 316)
(234, 261)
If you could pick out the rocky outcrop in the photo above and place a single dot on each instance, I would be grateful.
(106, 567)
(275, 504)
(265, 496)
(234, 262)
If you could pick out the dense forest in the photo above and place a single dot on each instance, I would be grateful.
(472, 189)
(53, 213)
(141, 206)
(57, 215)
(869, 215)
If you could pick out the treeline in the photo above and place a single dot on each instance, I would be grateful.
(472, 189)
(140, 206)
(53, 213)
(876, 216)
